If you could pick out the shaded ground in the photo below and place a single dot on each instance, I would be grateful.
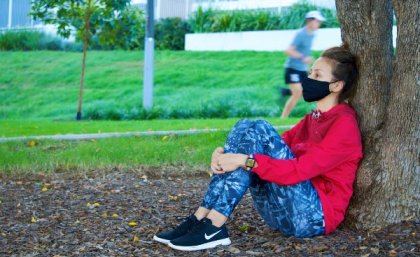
(90, 215)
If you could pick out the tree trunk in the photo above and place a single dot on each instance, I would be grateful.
(386, 100)
(85, 46)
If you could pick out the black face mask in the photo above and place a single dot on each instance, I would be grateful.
(314, 90)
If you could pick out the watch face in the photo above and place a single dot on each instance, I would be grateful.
(250, 163)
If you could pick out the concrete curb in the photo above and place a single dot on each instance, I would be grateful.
(120, 134)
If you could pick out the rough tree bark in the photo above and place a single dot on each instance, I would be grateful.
(387, 188)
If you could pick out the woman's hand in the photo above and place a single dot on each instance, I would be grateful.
(215, 165)
(221, 162)
(307, 59)
(231, 161)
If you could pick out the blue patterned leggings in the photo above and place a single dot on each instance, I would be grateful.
(294, 210)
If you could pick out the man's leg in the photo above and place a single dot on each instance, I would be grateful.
(296, 89)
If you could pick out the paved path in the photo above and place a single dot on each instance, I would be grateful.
(120, 134)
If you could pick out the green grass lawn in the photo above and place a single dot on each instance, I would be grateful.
(15, 128)
(47, 156)
(45, 84)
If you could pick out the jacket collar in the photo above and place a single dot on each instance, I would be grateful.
(319, 115)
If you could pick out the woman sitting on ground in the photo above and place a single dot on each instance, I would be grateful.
(301, 182)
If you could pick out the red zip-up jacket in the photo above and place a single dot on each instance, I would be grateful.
(328, 149)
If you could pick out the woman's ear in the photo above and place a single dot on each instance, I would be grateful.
(337, 86)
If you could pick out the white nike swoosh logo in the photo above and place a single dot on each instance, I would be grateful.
(212, 235)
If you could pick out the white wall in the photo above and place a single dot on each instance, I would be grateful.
(277, 40)
(243, 4)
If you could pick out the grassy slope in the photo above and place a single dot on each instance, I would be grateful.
(39, 96)
(45, 84)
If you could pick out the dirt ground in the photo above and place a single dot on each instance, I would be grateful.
(116, 213)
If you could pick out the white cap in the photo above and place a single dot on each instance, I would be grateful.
(315, 15)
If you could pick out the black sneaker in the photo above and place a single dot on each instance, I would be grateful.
(285, 92)
(180, 230)
(203, 236)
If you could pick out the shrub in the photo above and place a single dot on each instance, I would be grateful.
(49, 42)
(29, 40)
(128, 32)
(170, 33)
(125, 33)
(110, 111)
(252, 20)
(21, 40)
(294, 16)
(103, 110)
(202, 20)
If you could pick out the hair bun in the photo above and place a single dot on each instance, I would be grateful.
(345, 45)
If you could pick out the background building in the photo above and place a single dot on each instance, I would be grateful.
(14, 14)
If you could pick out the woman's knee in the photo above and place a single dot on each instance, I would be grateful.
(264, 127)
(252, 123)
(263, 123)
(244, 123)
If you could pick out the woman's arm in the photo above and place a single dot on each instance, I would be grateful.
(341, 144)
(222, 162)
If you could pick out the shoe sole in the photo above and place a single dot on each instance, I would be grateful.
(161, 240)
(209, 245)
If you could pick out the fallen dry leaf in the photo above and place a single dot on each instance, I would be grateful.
(393, 253)
(132, 223)
(32, 143)
(374, 250)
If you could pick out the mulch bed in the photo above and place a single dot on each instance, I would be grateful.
(116, 213)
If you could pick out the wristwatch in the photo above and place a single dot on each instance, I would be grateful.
(250, 162)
